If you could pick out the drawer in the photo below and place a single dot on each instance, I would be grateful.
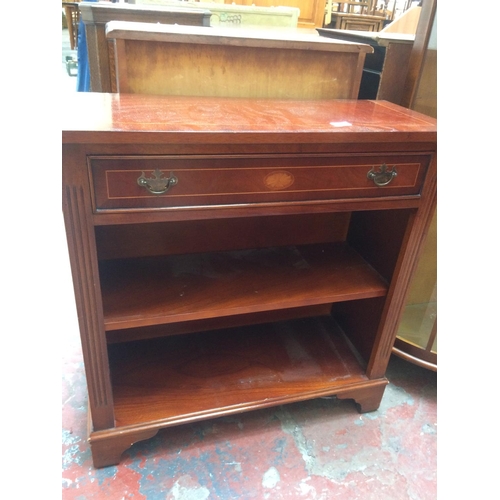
(139, 182)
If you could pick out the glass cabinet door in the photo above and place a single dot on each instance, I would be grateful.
(417, 335)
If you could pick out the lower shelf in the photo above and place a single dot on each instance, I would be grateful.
(185, 378)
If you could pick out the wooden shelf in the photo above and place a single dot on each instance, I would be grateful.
(184, 378)
(152, 291)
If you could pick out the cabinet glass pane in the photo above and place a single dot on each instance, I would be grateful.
(417, 326)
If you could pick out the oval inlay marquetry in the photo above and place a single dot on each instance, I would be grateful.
(280, 179)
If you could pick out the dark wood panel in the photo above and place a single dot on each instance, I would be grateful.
(176, 237)
(385, 69)
(149, 332)
(378, 235)
(359, 320)
(395, 68)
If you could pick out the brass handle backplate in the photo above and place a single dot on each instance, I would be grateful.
(157, 184)
(383, 177)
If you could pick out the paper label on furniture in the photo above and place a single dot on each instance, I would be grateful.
(341, 124)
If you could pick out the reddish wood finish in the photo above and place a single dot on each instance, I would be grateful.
(212, 372)
(181, 237)
(169, 274)
(201, 325)
(107, 447)
(154, 291)
(251, 123)
(83, 258)
(249, 179)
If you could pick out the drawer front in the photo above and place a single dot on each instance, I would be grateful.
(174, 181)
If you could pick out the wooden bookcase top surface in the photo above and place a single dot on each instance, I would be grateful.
(128, 118)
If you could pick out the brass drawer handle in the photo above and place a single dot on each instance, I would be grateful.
(383, 177)
(157, 184)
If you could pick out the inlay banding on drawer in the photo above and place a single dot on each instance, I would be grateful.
(228, 180)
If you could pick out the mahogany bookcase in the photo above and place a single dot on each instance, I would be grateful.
(234, 254)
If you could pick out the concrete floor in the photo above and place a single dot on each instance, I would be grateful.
(316, 450)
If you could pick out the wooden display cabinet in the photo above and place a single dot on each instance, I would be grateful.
(311, 15)
(312, 12)
(101, 55)
(234, 254)
(227, 62)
